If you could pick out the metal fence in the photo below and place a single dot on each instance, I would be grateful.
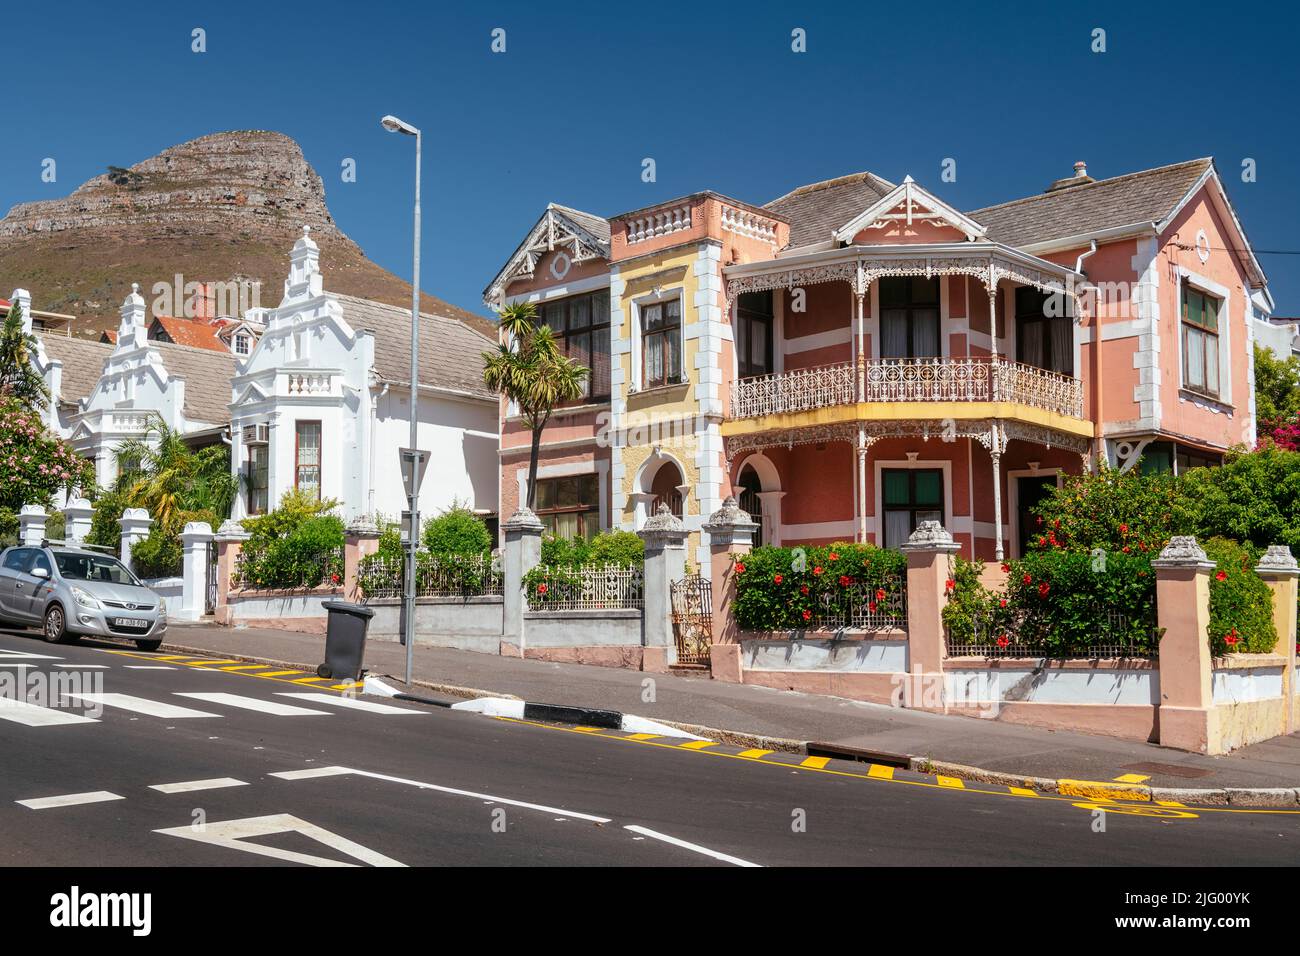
(269, 569)
(879, 604)
(587, 587)
(381, 577)
(1004, 634)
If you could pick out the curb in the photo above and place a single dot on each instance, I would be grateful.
(605, 719)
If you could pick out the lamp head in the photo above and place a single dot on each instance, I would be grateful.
(394, 125)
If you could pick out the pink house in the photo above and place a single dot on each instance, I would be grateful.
(857, 355)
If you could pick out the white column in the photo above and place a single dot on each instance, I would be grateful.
(31, 525)
(863, 445)
(665, 556)
(995, 451)
(194, 569)
(521, 553)
(77, 515)
(135, 524)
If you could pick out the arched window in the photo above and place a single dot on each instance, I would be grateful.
(749, 486)
(664, 488)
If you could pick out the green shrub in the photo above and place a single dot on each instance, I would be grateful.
(104, 529)
(564, 552)
(973, 614)
(8, 527)
(623, 548)
(1115, 510)
(1241, 603)
(306, 557)
(457, 531)
(295, 507)
(781, 589)
(157, 556)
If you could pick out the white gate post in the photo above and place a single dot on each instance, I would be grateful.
(135, 524)
(194, 569)
(77, 515)
(522, 552)
(31, 525)
(665, 559)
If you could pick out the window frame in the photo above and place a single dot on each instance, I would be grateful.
(320, 454)
(1188, 328)
(662, 334)
(253, 487)
(912, 507)
(590, 330)
(746, 319)
(912, 306)
(1038, 314)
(585, 511)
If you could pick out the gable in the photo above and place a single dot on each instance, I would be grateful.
(581, 236)
(907, 212)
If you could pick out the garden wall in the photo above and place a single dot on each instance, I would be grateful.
(469, 623)
(284, 610)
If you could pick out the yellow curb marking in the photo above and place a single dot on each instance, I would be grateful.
(205, 663)
(1094, 790)
(881, 772)
(1023, 791)
(643, 736)
(308, 680)
(698, 744)
(281, 675)
(1169, 803)
(953, 782)
(245, 667)
(273, 673)
(754, 754)
(586, 730)
(353, 685)
(815, 762)
(1132, 778)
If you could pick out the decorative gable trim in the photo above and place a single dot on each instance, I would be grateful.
(553, 230)
(1219, 195)
(918, 204)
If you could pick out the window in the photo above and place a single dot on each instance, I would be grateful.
(661, 346)
(754, 333)
(909, 317)
(16, 560)
(39, 560)
(911, 495)
(241, 344)
(581, 327)
(258, 479)
(1200, 327)
(750, 502)
(569, 507)
(306, 464)
(1043, 340)
(666, 488)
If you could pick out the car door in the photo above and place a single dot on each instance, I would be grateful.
(30, 589)
(12, 568)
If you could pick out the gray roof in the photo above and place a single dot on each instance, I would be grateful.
(1146, 196)
(818, 209)
(594, 224)
(451, 353)
(206, 372)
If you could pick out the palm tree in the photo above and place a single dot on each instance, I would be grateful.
(530, 370)
(18, 376)
(174, 482)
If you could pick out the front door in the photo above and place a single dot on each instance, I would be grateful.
(1030, 491)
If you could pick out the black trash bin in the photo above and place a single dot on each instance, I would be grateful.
(345, 640)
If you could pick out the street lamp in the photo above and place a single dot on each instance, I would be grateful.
(395, 125)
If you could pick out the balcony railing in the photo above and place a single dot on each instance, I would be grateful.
(979, 379)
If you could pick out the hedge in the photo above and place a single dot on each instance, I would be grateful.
(781, 589)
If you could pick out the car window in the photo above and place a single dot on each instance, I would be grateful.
(40, 561)
(16, 559)
(81, 566)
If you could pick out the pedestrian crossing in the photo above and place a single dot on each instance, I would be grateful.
(215, 707)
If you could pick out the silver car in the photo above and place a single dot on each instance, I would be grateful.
(67, 590)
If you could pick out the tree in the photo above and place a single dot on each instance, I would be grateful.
(1277, 390)
(174, 482)
(34, 462)
(18, 376)
(530, 370)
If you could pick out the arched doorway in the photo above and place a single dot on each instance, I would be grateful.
(750, 499)
(665, 486)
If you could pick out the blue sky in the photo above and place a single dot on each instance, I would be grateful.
(712, 92)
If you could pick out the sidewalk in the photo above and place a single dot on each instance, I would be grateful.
(763, 712)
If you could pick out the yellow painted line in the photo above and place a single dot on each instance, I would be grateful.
(1169, 803)
(816, 763)
(697, 745)
(1023, 791)
(642, 736)
(880, 772)
(354, 684)
(1094, 789)
(1275, 811)
(275, 673)
(952, 782)
(586, 730)
(206, 663)
(754, 754)
(245, 667)
(308, 680)
(168, 657)
(1131, 778)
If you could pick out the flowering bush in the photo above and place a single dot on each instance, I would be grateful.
(795, 588)
(34, 464)
(296, 545)
(1241, 604)
(1127, 512)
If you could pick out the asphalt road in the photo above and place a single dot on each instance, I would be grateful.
(322, 781)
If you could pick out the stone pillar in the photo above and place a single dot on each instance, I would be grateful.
(31, 525)
(731, 536)
(522, 552)
(665, 556)
(929, 550)
(194, 569)
(135, 524)
(229, 539)
(1187, 716)
(77, 514)
(1279, 569)
(361, 540)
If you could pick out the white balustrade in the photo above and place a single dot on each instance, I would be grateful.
(749, 224)
(660, 222)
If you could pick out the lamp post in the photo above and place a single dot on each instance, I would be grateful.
(395, 125)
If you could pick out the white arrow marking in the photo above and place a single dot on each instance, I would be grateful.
(233, 834)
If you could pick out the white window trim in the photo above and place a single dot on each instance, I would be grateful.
(878, 518)
(1224, 295)
(637, 357)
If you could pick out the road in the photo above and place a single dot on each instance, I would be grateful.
(175, 760)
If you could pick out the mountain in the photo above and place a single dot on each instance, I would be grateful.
(220, 208)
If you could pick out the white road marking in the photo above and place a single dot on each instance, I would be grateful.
(234, 835)
(191, 785)
(33, 715)
(84, 667)
(737, 861)
(69, 800)
(148, 667)
(26, 656)
(313, 772)
(139, 705)
(254, 703)
(366, 705)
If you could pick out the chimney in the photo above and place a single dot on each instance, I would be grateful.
(1079, 178)
(22, 299)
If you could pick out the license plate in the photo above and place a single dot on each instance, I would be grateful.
(131, 622)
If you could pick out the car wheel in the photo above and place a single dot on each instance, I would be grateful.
(56, 627)
(148, 645)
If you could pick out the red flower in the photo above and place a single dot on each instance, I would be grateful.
(1043, 589)
(871, 605)
(803, 589)
(817, 570)
(834, 556)
(334, 579)
(1231, 638)
(777, 579)
(1056, 523)
(542, 588)
(949, 585)
(740, 568)
(1042, 541)
(1002, 602)
(1123, 529)
(1003, 641)
(1028, 579)
(807, 615)
(1040, 521)
(880, 594)
(1126, 549)
(1006, 568)
(1221, 576)
(845, 580)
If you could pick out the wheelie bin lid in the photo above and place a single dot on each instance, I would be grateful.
(346, 607)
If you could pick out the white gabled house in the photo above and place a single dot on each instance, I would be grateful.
(322, 404)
